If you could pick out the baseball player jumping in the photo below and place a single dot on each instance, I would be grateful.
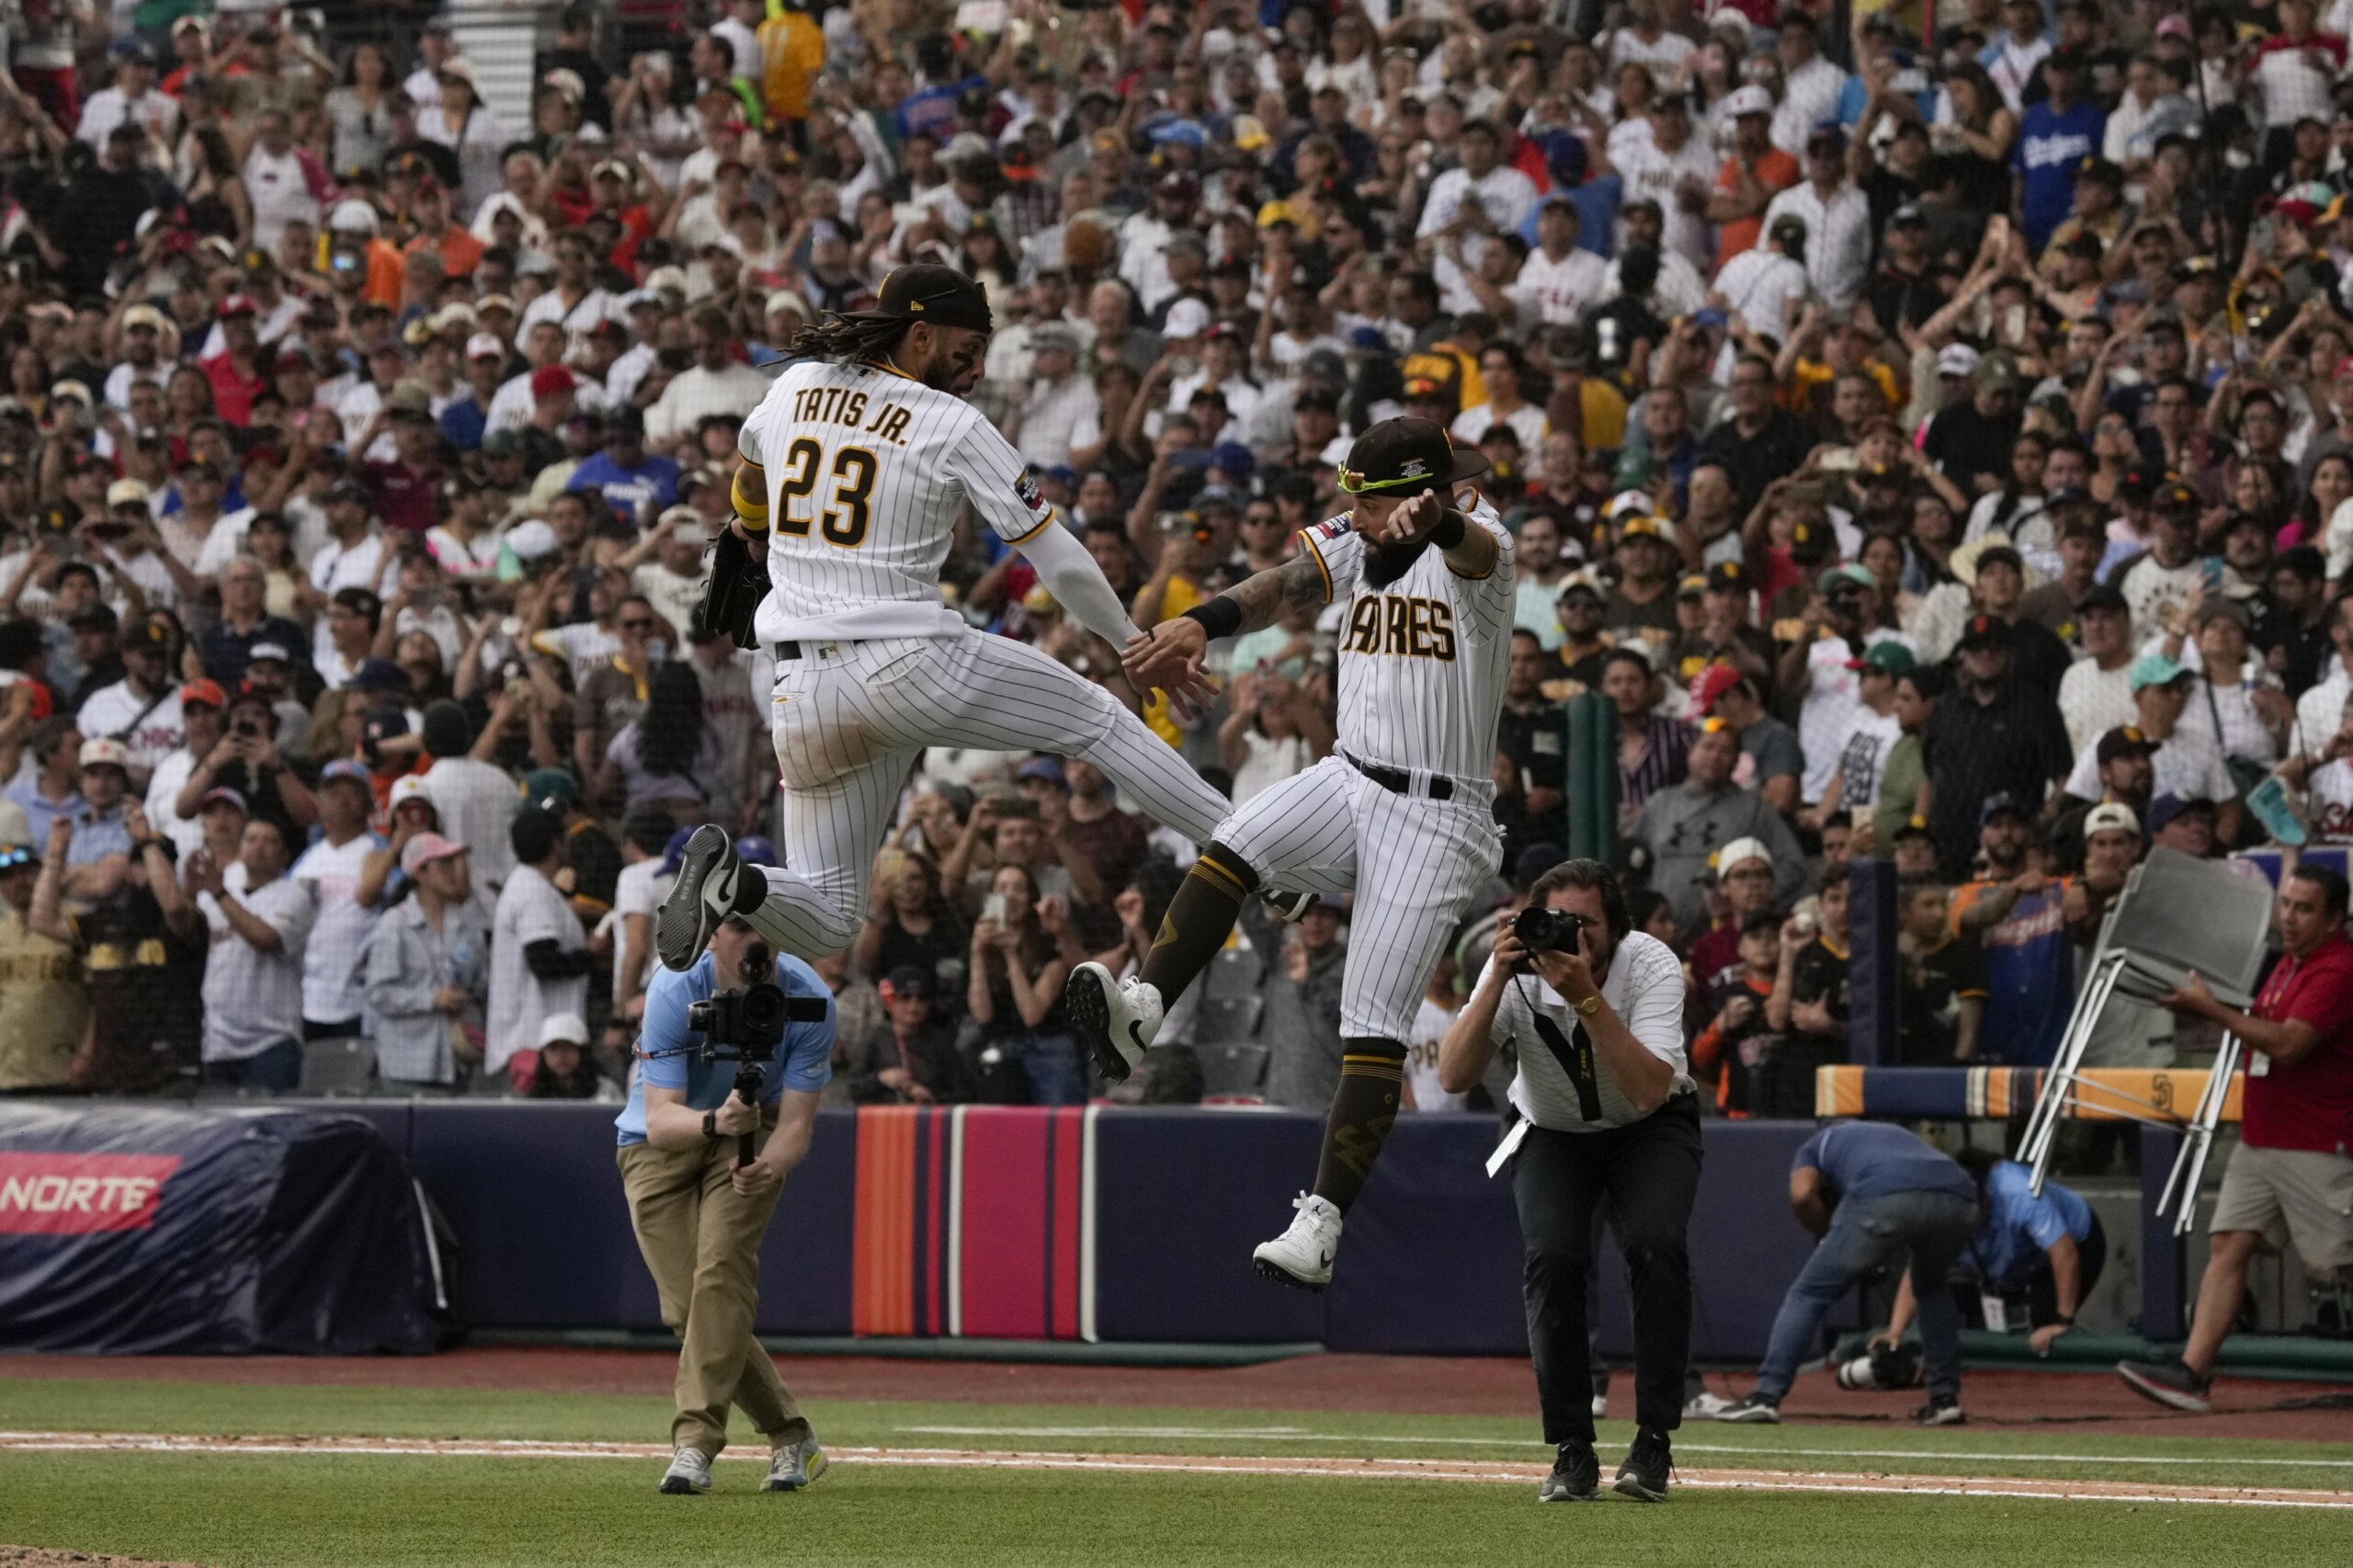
(854, 467)
(1402, 812)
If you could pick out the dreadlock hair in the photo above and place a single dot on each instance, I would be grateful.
(841, 339)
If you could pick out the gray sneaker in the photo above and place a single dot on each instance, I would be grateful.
(794, 1466)
(689, 1475)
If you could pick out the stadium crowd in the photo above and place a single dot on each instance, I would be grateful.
(1933, 434)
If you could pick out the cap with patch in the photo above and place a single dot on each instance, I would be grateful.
(1691, 586)
(545, 786)
(127, 492)
(1728, 577)
(1405, 457)
(2125, 740)
(206, 692)
(1956, 360)
(103, 752)
(1885, 658)
(923, 292)
(343, 769)
(1985, 631)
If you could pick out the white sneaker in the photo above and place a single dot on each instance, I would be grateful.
(794, 1466)
(1704, 1406)
(1117, 1019)
(1302, 1254)
(1600, 1406)
(689, 1474)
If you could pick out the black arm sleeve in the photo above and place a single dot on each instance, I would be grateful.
(547, 959)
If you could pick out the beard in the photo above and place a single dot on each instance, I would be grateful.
(1384, 562)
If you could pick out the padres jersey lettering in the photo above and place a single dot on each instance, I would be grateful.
(1423, 659)
(863, 472)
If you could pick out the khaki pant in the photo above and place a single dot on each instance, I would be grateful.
(702, 1242)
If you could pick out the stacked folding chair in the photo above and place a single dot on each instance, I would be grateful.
(2178, 914)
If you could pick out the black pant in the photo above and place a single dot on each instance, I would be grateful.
(1649, 1172)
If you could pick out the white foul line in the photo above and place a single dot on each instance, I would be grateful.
(1301, 1435)
(1338, 1469)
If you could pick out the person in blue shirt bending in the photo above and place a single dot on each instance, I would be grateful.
(699, 1215)
(1872, 1193)
(2048, 1249)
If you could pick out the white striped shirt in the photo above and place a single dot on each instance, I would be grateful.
(1423, 659)
(865, 469)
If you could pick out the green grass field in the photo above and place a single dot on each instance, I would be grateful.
(290, 1509)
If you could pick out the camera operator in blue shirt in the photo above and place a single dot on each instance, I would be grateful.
(699, 1214)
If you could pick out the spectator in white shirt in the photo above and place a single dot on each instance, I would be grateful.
(260, 920)
(539, 955)
(1809, 84)
(329, 871)
(132, 100)
(473, 798)
(1766, 286)
(1060, 409)
(1837, 219)
(1484, 194)
(1675, 169)
(1500, 363)
(1560, 276)
(716, 383)
(2010, 59)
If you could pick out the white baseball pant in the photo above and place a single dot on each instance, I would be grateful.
(850, 719)
(1413, 864)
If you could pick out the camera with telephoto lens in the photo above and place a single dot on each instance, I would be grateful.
(1547, 930)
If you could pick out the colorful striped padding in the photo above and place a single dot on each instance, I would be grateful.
(974, 1221)
(2006, 1094)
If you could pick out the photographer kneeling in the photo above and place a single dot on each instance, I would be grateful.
(698, 1213)
(1609, 1111)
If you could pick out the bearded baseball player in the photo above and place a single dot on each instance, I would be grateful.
(1401, 812)
(854, 469)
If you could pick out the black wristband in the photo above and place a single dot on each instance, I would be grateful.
(710, 1124)
(1221, 617)
(1450, 531)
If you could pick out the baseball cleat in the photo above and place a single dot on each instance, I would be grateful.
(1302, 1257)
(689, 1475)
(794, 1466)
(1287, 907)
(1117, 1019)
(1940, 1412)
(703, 895)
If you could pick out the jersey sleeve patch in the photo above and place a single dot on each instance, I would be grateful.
(1333, 527)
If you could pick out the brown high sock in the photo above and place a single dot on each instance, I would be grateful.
(1199, 919)
(1364, 1108)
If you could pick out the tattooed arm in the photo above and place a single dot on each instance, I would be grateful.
(1174, 648)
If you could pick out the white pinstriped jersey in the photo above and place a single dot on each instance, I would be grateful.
(1423, 660)
(865, 469)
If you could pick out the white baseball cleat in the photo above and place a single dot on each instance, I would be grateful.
(1302, 1255)
(1117, 1019)
(689, 1475)
(1287, 907)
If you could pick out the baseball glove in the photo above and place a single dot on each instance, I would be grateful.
(731, 594)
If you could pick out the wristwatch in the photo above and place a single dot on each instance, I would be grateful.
(710, 1124)
(1590, 1005)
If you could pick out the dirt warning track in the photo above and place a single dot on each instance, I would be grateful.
(1486, 1471)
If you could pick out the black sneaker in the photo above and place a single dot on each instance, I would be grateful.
(1755, 1409)
(1939, 1412)
(1575, 1478)
(2169, 1382)
(1643, 1475)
